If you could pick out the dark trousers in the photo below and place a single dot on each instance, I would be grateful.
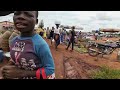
(71, 41)
(57, 40)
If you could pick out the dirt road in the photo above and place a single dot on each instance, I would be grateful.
(73, 65)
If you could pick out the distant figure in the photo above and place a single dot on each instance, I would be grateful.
(79, 36)
(72, 39)
(57, 36)
(41, 32)
(44, 33)
(48, 33)
(52, 34)
(64, 34)
(61, 36)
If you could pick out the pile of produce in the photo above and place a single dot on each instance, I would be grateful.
(5, 38)
(5, 41)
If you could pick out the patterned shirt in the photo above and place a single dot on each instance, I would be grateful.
(31, 53)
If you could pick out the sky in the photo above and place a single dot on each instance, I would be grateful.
(89, 20)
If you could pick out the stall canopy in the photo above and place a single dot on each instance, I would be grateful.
(4, 13)
(110, 30)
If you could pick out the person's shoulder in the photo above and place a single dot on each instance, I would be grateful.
(36, 37)
(13, 40)
(38, 40)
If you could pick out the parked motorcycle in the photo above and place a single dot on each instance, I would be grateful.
(104, 49)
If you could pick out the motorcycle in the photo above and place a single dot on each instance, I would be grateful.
(104, 49)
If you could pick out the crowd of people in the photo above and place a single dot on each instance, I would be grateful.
(59, 36)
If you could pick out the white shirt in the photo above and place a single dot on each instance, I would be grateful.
(56, 31)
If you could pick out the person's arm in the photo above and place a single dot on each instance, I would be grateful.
(10, 62)
(12, 72)
(46, 60)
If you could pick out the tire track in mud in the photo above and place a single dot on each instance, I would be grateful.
(77, 69)
(69, 70)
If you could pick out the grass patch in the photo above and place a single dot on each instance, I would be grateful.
(81, 49)
(106, 73)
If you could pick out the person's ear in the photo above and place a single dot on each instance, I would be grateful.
(36, 21)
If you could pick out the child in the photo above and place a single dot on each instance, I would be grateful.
(30, 54)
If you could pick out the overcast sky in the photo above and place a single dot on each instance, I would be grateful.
(89, 20)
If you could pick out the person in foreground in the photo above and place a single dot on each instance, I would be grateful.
(30, 54)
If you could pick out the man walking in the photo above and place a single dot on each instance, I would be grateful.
(72, 39)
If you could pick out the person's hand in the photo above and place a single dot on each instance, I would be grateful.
(11, 62)
(11, 72)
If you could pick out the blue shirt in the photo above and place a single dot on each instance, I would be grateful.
(31, 53)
